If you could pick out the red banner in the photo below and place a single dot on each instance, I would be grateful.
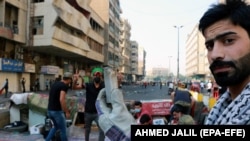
(157, 107)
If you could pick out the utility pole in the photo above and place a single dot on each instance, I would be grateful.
(178, 48)
(169, 65)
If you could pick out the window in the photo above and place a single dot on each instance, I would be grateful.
(38, 25)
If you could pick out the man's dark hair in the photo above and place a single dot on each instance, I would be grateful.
(237, 11)
(138, 103)
(179, 108)
(67, 76)
(145, 118)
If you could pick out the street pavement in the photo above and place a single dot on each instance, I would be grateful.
(130, 92)
(138, 92)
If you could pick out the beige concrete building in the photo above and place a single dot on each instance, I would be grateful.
(160, 72)
(141, 63)
(13, 21)
(44, 38)
(125, 35)
(133, 55)
(196, 60)
(134, 59)
(109, 11)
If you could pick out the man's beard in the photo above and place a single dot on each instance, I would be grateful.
(240, 72)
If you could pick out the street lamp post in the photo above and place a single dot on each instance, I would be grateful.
(178, 42)
(169, 58)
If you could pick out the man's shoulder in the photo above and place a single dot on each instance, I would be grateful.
(59, 84)
(89, 84)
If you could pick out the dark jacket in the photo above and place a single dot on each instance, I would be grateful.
(91, 96)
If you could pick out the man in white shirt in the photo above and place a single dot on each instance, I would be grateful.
(209, 87)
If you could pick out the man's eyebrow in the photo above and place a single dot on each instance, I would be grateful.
(220, 36)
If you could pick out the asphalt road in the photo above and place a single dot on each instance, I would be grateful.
(130, 92)
(137, 92)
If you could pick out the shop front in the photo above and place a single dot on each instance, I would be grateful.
(48, 73)
(12, 70)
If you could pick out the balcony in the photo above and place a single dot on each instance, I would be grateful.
(6, 32)
(70, 39)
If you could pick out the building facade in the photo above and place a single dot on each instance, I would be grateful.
(13, 21)
(109, 11)
(41, 39)
(196, 61)
(125, 35)
(134, 60)
(141, 63)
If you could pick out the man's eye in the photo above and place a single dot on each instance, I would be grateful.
(209, 45)
(228, 41)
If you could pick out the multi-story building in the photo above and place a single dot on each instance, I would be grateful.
(144, 63)
(44, 38)
(141, 63)
(13, 22)
(125, 69)
(160, 72)
(138, 60)
(196, 61)
(134, 60)
(109, 11)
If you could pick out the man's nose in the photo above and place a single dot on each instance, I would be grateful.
(217, 52)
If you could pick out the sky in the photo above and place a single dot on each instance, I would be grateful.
(152, 26)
